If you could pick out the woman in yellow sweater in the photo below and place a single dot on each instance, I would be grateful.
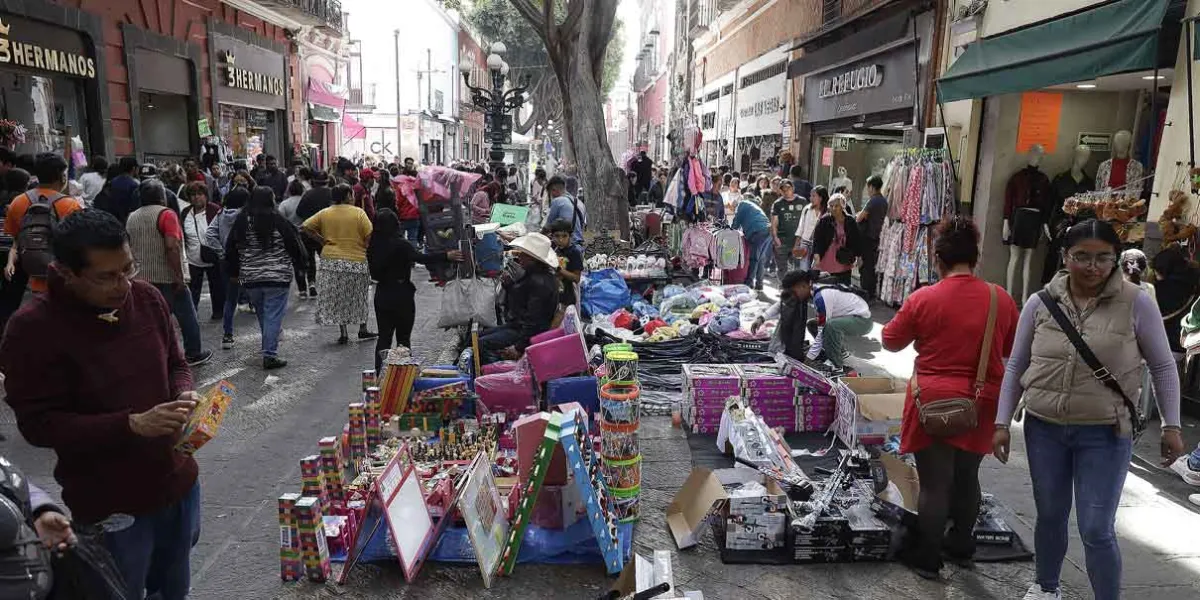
(344, 284)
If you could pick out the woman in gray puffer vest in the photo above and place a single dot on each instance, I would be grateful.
(1078, 435)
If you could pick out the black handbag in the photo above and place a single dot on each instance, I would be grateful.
(1099, 371)
(845, 255)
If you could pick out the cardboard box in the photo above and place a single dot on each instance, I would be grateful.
(205, 420)
(869, 409)
(692, 505)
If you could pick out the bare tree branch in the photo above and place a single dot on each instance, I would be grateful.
(531, 14)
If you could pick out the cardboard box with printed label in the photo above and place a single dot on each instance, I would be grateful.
(869, 409)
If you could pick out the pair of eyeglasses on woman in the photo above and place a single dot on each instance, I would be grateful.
(1085, 259)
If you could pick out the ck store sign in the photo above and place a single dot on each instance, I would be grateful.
(879, 83)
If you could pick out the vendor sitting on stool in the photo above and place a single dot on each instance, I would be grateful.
(841, 313)
(531, 292)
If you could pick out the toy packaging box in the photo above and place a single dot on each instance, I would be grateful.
(205, 420)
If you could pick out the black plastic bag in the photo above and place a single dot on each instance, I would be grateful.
(86, 571)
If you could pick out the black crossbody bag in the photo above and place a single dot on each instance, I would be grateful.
(1099, 371)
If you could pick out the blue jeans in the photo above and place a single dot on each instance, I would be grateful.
(154, 554)
(1089, 462)
(495, 339)
(232, 291)
(185, 312)
(760, 247)
(270, 305)
(411, 229)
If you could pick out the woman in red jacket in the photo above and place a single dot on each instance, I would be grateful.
(946, 322)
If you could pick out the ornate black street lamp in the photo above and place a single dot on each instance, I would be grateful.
(496, 103)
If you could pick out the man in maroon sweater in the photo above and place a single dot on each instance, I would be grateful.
(95, 371)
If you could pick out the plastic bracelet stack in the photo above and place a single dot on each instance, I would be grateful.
(620, 410)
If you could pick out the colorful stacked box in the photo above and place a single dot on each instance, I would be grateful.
(770, 394)
(369, 379)
(815, 412)
(358, 431)
(314, 551)
(705, 390)
(291, 567)
(312, 480)
(374, 424)
(397, 386)
(620, 453)
(331, 471)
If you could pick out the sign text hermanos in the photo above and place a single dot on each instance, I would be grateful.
(43, 59)
(244, 79)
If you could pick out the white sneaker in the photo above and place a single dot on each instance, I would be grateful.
(1181, 467)
(1035, 593)
(1194, 499)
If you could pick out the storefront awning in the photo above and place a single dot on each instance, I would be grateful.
(352, 129)
(317, 112)
(328, 94)
(1113, 38)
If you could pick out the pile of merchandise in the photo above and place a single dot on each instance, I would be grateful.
(780, 512)
(431, 466)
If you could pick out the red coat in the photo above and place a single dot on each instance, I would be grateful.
(946, 322)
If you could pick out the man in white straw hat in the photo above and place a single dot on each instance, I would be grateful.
(531, 292)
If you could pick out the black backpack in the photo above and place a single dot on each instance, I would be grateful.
(25, 570)
(35, 239)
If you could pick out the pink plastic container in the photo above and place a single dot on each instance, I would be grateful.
(546, 336)
(558, 357)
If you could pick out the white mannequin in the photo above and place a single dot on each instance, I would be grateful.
(842, 180)
(1016, 254)
(1121, 142)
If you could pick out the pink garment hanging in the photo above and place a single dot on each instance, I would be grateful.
(696, 183)
(911, 210)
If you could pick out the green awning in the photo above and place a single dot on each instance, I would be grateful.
(320, 112)
(1109, 39)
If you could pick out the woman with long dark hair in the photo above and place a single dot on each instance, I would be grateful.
(1078, 430)
(949, 342)
(803, 250)
(261, 254)
(390, 258)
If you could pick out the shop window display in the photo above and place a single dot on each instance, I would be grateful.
(46, 106)
(250, 131)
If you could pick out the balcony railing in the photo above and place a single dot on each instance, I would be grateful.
(362, 99)
(323, 14)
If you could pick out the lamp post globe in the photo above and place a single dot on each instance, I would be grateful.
(494, 61)
(499, 48)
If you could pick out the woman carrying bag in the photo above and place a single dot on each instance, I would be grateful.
(1076, 367)
(960, 355)
(835, 242)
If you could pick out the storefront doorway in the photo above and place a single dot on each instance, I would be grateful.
(842, 162)
(249, 132)
(250, 82)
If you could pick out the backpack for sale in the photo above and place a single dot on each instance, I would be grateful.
(36, 236)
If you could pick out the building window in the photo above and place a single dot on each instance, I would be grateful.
(45, 106)
(831, 10)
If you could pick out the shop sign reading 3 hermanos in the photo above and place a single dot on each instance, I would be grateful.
(31, 56)
(244, 79)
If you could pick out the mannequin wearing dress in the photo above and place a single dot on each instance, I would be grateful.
(1122, 169)
(1026, 198)
(1066, 184)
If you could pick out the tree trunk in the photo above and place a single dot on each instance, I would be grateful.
(604, 183)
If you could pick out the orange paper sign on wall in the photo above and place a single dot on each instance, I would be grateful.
(1040, 113)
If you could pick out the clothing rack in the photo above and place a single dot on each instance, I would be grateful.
(920, 186)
